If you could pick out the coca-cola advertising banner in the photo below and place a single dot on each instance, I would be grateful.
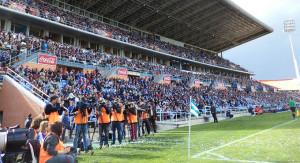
(46, 59)
(197, 82)
(167, 78)
(122, 71)
(221, 85)
(22, 8)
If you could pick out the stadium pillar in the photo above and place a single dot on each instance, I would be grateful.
(168, 63)
(27, 30)
(130, 54)
(101, 48)
(111, 50)
(62, 38)
(122, 52)
(46, 33)
(154, 60)
(89, 44)
(147, 58)
(180, 65)
(7, 25)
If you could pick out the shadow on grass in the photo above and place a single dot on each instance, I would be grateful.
(97, 157)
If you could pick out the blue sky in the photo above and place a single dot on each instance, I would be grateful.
(269, 57)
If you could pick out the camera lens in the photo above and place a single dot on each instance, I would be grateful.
(16, 139)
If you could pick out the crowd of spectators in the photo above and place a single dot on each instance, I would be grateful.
(54, 13)
(72, 85)
(11, 41)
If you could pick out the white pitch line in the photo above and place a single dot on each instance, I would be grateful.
(195, 156)
(221, 156)
(219, 159)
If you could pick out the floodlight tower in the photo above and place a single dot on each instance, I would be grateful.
(289, 26)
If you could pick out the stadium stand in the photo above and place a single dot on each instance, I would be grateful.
(93, 64)
(57, 14)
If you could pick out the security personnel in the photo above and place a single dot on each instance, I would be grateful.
(145, 122)
(103, 120)
(132, 120)
(116, 122)
(292, 105)
(52, 109)
(214, 113)
(81, 113)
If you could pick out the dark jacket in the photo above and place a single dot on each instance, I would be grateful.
(28, 122)
(65, 120)
(50, 108)
(50, 144)
(213, 110)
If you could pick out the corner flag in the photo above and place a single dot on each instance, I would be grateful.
(194, 109)
(298, 113)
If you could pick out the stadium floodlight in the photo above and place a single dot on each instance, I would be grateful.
(289, 26)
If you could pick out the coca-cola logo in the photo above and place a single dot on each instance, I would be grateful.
(197, 82)
(167, 78)
(45, 59)
(122, 71)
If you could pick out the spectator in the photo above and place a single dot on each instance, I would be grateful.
(28, 121)
(228, 114)
(43, 131)
(65, 120)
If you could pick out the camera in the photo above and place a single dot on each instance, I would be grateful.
(83, 106)
(13, 140)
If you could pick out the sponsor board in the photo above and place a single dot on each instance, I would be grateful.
(122, 71)
(46, 59)
(167, 78)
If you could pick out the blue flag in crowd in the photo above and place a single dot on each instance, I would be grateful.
(194, 109)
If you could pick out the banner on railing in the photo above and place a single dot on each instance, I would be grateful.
(22, 8)
(46, 59)
(167, 78)
(197, 82)
(221, 85)
(239, 87)
(122, 71)
(103, 33)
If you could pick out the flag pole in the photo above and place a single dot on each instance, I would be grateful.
(189, 143)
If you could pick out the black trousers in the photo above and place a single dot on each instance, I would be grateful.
(215, 117)
(152, 122)
(146, 124)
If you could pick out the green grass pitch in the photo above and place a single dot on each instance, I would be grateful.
(263, 138)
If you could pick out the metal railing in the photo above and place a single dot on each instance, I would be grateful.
(172, 116)
(26, 84)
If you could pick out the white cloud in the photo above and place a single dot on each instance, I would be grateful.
(268, 9)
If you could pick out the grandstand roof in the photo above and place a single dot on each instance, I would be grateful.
(283, 84)
(215, 25)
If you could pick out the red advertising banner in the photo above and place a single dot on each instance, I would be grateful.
(197, 82)
(103, 33)
(22, 8)
(46, 59)
(33, 11)
(221, 85)
(239, 87)
(122, 71)
(17, 6)
(167, 78)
